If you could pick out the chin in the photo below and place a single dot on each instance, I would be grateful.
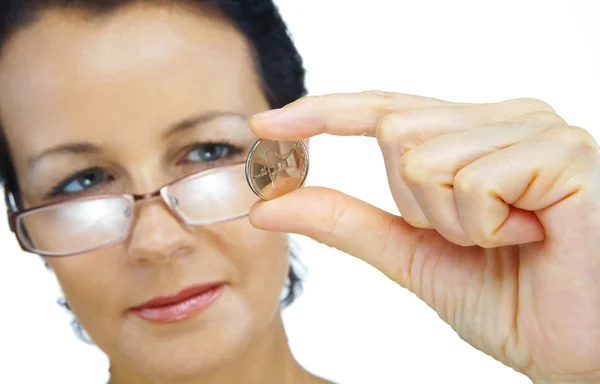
(181, 356)
(186, 350)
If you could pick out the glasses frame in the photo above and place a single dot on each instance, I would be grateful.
(14, 215)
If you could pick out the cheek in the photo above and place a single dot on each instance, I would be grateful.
(256, 262)
(93, 290)
(261, 262)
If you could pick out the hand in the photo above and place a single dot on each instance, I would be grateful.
(500, 226)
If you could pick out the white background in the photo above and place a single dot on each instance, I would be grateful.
(352, 325)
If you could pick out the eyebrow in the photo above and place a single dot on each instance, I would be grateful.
(73, 148)
(193, 122)
(86, 147)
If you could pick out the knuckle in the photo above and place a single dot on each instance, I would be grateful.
(584, 137)
(576, 137)
(391, 129)
(386, 128)
(546, 118)
(409, 271)
(467, 182)
(414, 169)
(484, 242)
(455, 234)
(458, 238)
(481, 237)
(536, 104)
(377, 94)
(337, 209)
(416, 220)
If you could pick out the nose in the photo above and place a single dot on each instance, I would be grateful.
(157, 235)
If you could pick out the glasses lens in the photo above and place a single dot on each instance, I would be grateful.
(210, 197)
(76, 226)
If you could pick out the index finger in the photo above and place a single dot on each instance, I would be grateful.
(342, 114)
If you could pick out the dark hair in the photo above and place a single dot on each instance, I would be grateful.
(276, 58)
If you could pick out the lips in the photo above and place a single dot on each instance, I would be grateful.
(180, 306)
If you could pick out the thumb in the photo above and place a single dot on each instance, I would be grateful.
(330, 217)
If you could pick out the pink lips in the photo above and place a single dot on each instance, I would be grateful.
(181, 306)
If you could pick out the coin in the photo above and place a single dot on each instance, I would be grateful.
(274, 168)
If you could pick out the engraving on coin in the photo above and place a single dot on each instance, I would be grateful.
(274, 168)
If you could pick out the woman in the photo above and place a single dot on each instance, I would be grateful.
(499, 201)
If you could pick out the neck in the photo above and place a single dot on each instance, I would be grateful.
(267, 360)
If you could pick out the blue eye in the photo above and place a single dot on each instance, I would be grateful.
(83, 181)
(211, 152)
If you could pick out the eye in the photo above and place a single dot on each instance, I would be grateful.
(81, 182)
(211, 152)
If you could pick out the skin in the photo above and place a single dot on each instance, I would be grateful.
(120, 83)
(499, 204)
(499, 226)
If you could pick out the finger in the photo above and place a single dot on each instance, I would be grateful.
(344, 114)
(545, 171)
(352, 114)
(399, 132)
(381, 239)
(419, 260)
(403, 131)
(430, 169)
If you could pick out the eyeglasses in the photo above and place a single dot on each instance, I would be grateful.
(88, 223)
(84, 224)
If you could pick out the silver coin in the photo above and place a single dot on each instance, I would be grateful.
(274, 168)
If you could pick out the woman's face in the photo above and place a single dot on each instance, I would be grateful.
(116, 87)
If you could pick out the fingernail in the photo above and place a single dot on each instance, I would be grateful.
(267, 114)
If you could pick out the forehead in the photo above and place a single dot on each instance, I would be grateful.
(71, 77)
